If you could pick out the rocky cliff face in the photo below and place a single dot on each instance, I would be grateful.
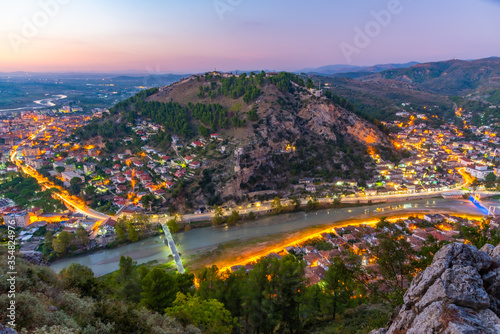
(458, 293)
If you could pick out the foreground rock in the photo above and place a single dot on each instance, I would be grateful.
(458, 293)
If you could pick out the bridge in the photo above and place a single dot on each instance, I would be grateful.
(490, 211)
(170, 241)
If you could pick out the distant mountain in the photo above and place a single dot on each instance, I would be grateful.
(452, 77)
(158, 77)
(336, 69)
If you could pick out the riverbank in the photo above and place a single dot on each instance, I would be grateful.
(267, 218)
(201, 242)
(240, 252)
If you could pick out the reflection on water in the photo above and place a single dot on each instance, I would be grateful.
(154, 248)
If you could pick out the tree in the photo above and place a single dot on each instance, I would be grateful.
(251, 215)
(287, 283)
(252, 114)
(383, 224)
(208, 315)
(339, 284)
(132, 233)
(272, 293)
(479, 236)
(62, 242)
(210, 283)
(394, 257)
(159, 290)
(233, 218)
(90, 191)
(276, 205)
(82, 236)
(218, 217)
(309, 84)
(120, 228)
(204, 132)
(490, 179)
(185, 282)
(312, 204)
(77, 276)
(173, 226)
(109, 146)
(126, 281)
(75, 185)
(49, 237)
(141, 222)
(60, 169)
(149, 200)
(295, 202)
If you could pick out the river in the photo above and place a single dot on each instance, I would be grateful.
(43, 103)
(150, 249)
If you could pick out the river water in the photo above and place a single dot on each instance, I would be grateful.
(189, 242)
(43, 103)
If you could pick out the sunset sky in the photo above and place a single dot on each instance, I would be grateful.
(198, 35)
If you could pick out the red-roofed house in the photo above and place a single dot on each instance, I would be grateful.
(312, 258)
(159, 192)
(138, 164)
(180, 173)
(197, 144)
(194, 164)
(108, 224)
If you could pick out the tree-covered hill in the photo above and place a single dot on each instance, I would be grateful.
(281, 126)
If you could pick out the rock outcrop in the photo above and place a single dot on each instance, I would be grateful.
(458, 293)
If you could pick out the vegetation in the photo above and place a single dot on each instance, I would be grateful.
(76, 302)
(319, 244)
(27, 193)
(273, 297)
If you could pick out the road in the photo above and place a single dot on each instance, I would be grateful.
(63, 194)
(258, 207)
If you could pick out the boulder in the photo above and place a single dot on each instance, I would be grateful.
(458, 293)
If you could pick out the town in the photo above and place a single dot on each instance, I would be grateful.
(319, 251)
(101, 186)
(249, 167)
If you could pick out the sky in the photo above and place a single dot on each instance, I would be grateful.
(189, 36)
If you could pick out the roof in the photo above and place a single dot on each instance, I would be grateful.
(109, 222)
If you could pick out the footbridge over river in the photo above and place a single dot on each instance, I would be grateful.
(171, 244)
(490, 211)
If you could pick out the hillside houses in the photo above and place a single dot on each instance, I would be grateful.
(360, 239)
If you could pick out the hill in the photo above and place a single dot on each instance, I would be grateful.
(274, 131)
(430, 88)
(452, 77)
(338, 69)
(383, 98)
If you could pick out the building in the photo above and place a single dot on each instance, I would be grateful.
(108, 225)
(89, 168)
(68, 176)
(479, 174)
(194, 164)
(197, 144)
(20, 219)
(67, 168)
(433, 218)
